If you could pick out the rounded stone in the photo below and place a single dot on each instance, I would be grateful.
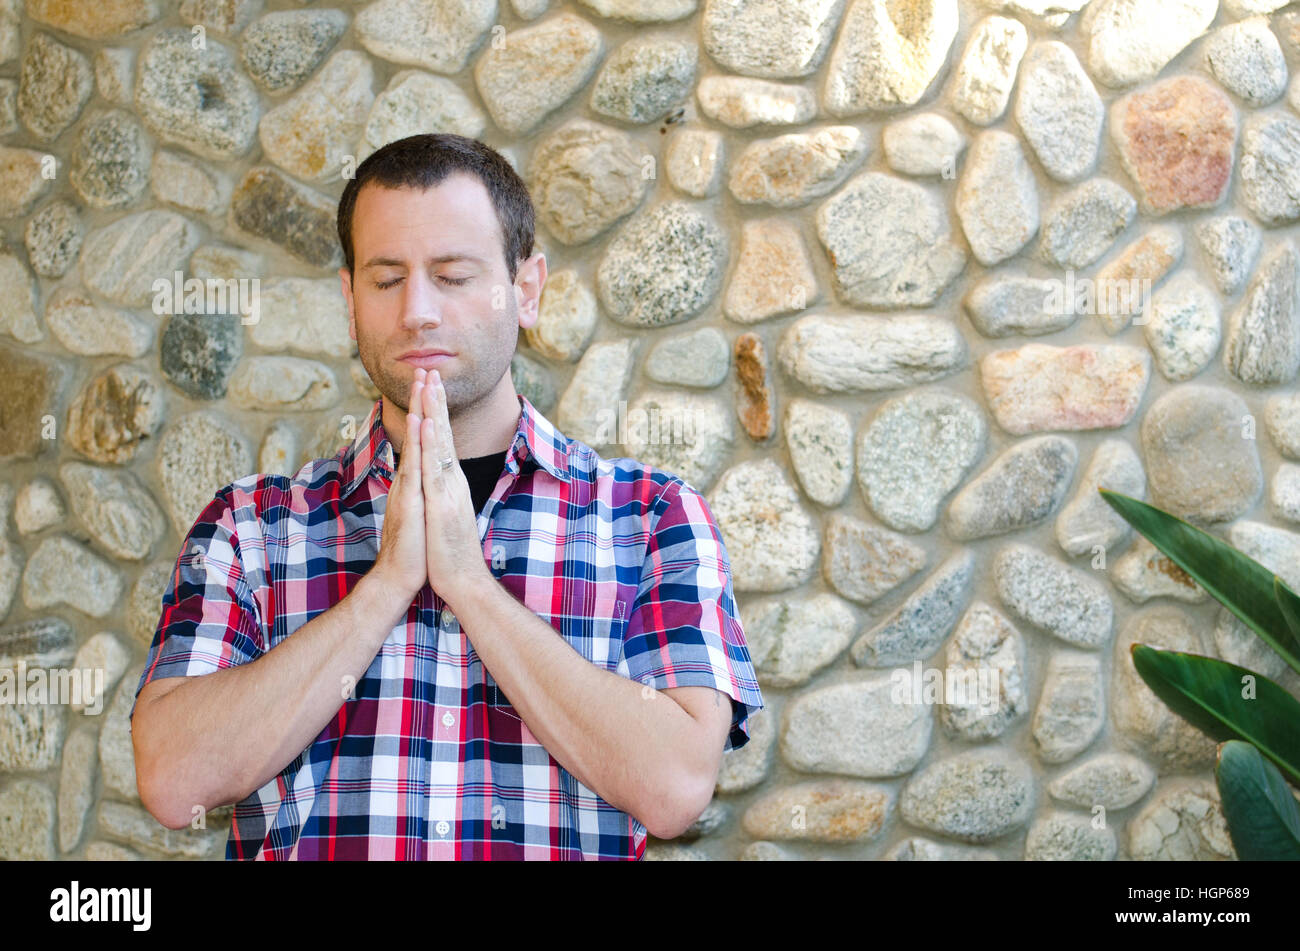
(889, 243)
(113, 413)
(53, 238)
(916, 449)
(198, 455)
(700, 358)
(558, 55)
(864, 562)
(1269, 177)
(1082, 223)
(38, 506)
(771, 38)
(792, 170)
(1176, 141)
(741, 103)
(591, 409)
(415, 103)
(772, 540)
(1072, 707)
(584, 177)
(281, 49)
(663, 267)
(1053, 595)
(283, 384)
(975, 796)
(115, 508)
(1067, 837)
(820, 441)
(204, 103)
(693, 161)
(1059, 111)
(1199, 465)
(110, 160)
(1183, 327)
(1183, 821)
(1023, 486)
(26, 822)
(1247, 59)
(62, 571)
(831, 810)
(199, 352)
(856, 728)
(986, 656)
(1087, 522)
(987, 70)
(923, 144)
(1109, 780)
(54, 84)
(645, 78)
(681, 433)
(1142, 718)
(791, 639)
(997, 200)
(312, 134)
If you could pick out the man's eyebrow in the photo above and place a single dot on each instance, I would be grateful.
(381, 260)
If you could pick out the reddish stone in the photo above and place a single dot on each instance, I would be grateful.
(1176, 141)
(753, 396)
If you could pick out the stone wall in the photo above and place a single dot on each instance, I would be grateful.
(876, 254)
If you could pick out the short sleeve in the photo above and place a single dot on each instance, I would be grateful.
(684, 628)
(209, 620)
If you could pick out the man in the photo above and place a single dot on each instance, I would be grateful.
(465, 635)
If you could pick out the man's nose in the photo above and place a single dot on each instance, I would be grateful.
(421, 303)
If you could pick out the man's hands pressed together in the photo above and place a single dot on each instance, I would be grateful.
(402, 548)
(653, 754)
(454, 550)
(430, 532)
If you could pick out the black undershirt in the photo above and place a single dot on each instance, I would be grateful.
(481, 472)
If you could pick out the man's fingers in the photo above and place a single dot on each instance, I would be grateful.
(432, 455)
(435, 408)
(411, 451)
(430, 471)
(446, 446)
(415, 412)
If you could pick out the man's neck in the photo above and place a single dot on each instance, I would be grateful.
(483, 429)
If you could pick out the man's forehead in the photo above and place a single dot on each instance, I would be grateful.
(402, 255)
(461, 196)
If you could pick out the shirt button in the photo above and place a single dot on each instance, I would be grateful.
(442, 827)
(448, 719)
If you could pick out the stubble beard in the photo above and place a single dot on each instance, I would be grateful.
(473, 380)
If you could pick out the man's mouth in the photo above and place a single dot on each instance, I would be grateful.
(426, 358)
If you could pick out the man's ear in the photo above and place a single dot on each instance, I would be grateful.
(345, 278)
(529, 282)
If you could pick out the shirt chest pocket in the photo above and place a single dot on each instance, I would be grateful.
(592, 624)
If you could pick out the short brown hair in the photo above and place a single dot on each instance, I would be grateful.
(425, 161)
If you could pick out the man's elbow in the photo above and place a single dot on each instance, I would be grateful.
(155, 798)
(157, 791)
(673, 815)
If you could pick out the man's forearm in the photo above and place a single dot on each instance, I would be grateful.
(626, 741)
(221, 736)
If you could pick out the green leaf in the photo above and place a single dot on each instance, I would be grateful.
(1263, 818)
(1207, 692)
(1240, 584)
(1288, 604)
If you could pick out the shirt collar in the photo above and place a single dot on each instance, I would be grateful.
(537, 443)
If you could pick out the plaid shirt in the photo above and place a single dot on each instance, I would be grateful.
(428, 760)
